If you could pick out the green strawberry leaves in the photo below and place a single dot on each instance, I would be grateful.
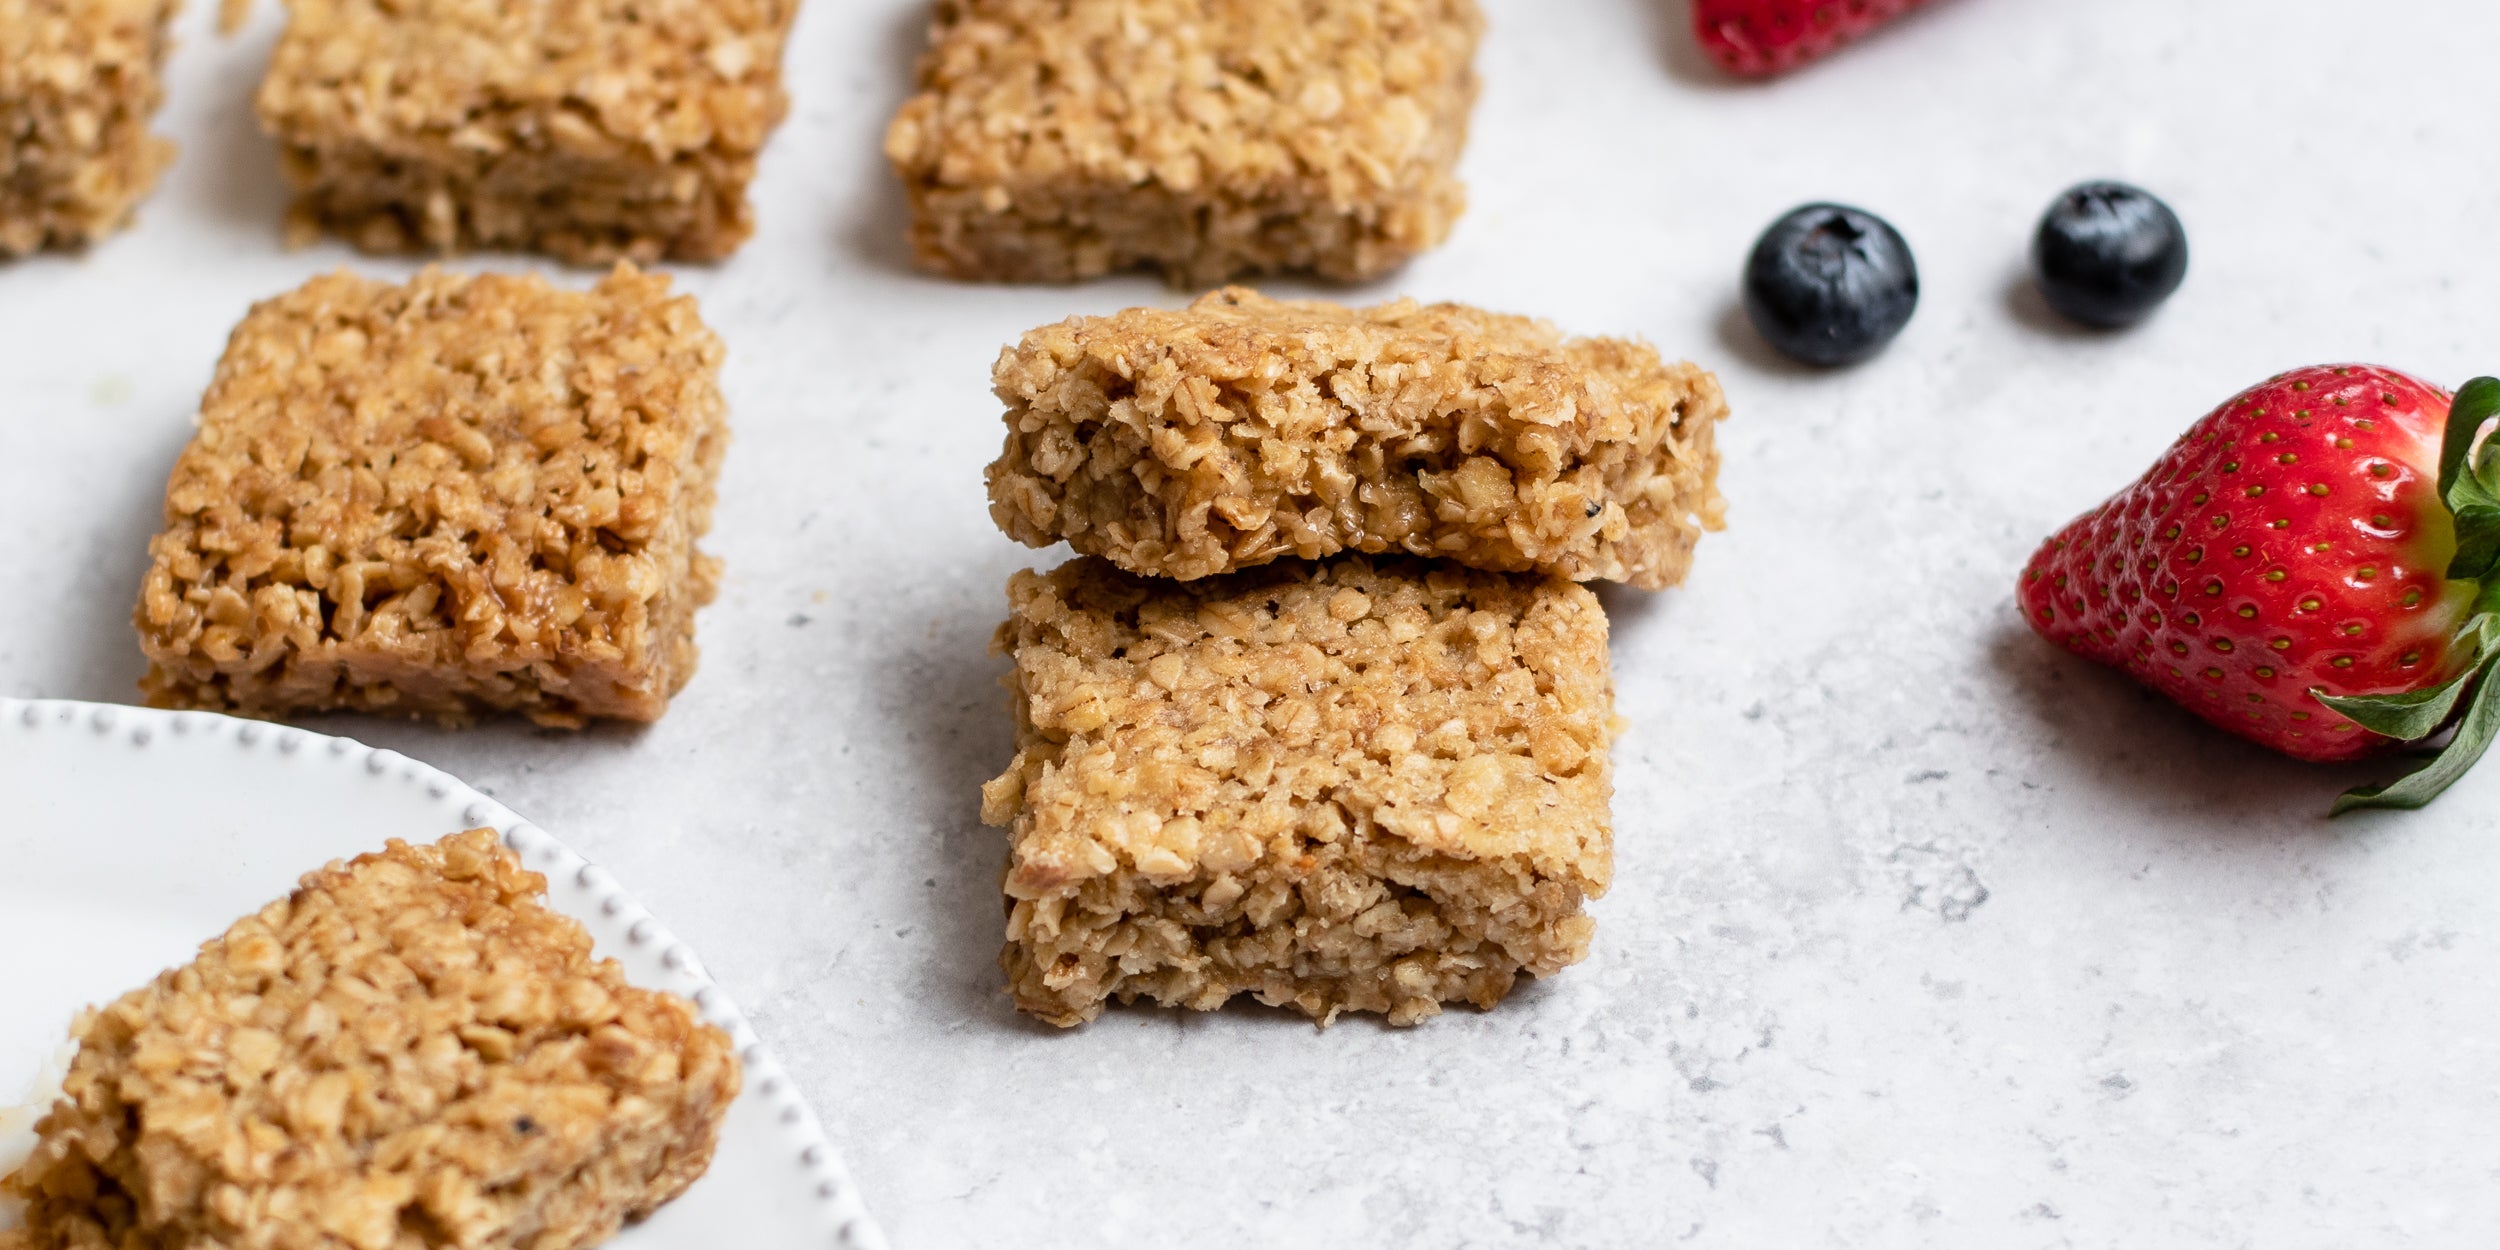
(2473, 496)
(2415, 714)
(2474, 736)
(2469, 481)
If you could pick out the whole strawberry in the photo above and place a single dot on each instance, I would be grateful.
(2309, 567)
(1757, 38)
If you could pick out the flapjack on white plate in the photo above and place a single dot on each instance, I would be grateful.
(129, 836)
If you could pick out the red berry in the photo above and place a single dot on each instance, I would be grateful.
(2294, 543)
(1757, 38)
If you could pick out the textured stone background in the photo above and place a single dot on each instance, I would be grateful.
(1923, 935)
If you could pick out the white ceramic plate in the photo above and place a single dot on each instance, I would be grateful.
(129, 836)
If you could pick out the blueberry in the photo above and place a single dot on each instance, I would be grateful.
(1830, 285)
(2108, 254)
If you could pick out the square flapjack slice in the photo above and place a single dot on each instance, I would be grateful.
(1358, 785)
(1058, 140)
(1240, 430)
(453, 496)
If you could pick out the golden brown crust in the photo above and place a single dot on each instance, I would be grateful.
(1055, 140)
(411, 1051)
(592, 130)
(79, 81)
(1350, 786)
(1245, 429)
(436, 499)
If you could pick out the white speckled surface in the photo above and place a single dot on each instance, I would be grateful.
(1922, 935)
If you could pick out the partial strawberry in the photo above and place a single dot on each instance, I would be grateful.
(2311, 567)
(1758, 38)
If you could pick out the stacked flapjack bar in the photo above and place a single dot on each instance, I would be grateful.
(1245, 429)
(1323, 715)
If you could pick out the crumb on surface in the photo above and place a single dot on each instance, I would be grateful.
(1360, 785)
(592, 130)
(1245, 429)
(1056, 140)
(410, 1051)
(79, 82)
(458, 495)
